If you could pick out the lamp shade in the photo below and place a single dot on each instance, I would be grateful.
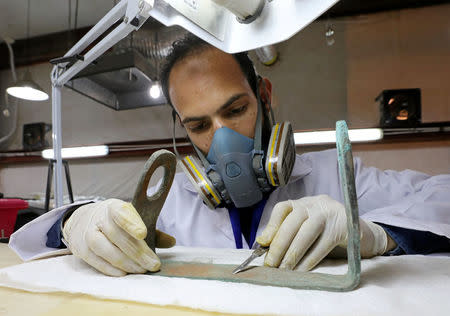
(27, 89)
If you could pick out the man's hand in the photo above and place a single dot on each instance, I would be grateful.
(110, 235)
(314, 226)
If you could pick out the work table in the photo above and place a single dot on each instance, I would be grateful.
(16, 302)
(410, 284)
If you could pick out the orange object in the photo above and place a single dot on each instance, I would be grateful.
(8, 215)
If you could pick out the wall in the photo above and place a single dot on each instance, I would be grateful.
(315, 85)
(309, 79)
(109, 178)
(395, 50)
(432, 157)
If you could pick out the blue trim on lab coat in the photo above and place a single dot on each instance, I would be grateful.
(235, 219)
(54, 235)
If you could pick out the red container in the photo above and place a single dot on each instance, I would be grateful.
(8, 215)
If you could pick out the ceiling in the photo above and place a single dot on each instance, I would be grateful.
(50, 16)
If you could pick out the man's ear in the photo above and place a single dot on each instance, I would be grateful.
(265, 89)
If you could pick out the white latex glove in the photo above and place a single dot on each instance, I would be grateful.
(313, 226)
(109, 236)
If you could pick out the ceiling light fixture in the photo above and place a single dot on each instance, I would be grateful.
(27, 88)
(155, 91)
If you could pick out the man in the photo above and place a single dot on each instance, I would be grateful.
(221, 102)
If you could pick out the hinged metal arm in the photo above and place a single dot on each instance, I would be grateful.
(134, 14)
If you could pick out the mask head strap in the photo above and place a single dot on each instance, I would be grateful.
(268, 101)
(174, 116)
(258, 127)
(258, 154)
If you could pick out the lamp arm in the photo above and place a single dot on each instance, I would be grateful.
(134, 14)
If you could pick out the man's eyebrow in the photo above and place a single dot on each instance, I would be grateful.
(229, 102)
(193, 118)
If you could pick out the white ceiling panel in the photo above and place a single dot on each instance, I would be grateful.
(48, 16)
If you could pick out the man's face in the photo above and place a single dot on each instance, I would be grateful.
(209, 91)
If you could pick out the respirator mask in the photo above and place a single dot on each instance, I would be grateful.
(237, 170)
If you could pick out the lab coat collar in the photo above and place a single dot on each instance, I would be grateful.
(302, 167)
(223, 222)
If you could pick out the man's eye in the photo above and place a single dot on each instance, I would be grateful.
(198, 127)
(237, 110)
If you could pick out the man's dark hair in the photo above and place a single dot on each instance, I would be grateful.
(191, 45)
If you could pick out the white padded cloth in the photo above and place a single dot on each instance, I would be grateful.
(409, 285)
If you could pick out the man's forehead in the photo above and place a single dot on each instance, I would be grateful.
(206, 77)
(204, 59)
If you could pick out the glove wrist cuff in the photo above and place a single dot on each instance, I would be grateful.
(66, 216)
(380, 241)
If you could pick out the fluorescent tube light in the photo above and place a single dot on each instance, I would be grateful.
(365, 134)
(78, 152)
(329, 137)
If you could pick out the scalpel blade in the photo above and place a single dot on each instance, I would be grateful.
(258, 252)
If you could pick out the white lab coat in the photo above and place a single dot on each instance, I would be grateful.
(406, 199)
